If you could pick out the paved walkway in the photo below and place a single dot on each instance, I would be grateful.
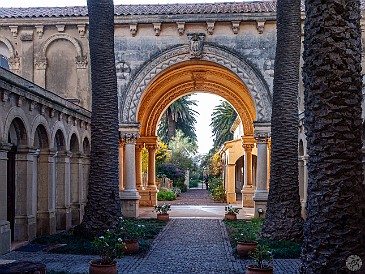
(197, 244)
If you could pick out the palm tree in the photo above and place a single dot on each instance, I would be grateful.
(223, 117)
(103, 206)
(283, 219)
(334, 228)
(179, 116)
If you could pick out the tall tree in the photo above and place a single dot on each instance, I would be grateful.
(334, 228)
(180, 115)
(223, 117)
(103, 205)
(283, 219)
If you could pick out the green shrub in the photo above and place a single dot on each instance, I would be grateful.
(219, 194)
(177, 191)
(166, 196)
(180, 185)
(194, 182)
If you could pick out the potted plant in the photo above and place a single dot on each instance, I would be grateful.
(247, 241)
(130, 232)
(263, 261)
(231, 212)
(161, 211)
(109, 247)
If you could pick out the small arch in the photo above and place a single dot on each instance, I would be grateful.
(41, 137)
(86, 146)
(8, 45)
(58, 126)
(301, 148)
(37, 121)
(59, 141)
(57, 36)
(17, 134)
(74, 144)
(18, 113)
(74, 131)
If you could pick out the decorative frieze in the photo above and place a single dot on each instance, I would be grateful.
(236, 26)
(82, 30)
(262, 137)
(210, 27)
(196, 41)
(26, 36)
(180, 27)
(40, 63)
(133, 29)
(130, 137)
(39, 29)
(14, 31)
(157, 28)
(260, 26)
(14, 64)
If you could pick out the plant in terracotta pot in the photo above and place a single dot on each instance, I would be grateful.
(130, 232)
(231, 212)
(247, 241)
(109, 247)
(162, 211)
(263, 259)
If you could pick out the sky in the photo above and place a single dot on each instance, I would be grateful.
(206, 102)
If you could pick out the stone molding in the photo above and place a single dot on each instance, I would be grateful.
(252, 79)
(262, 137)
(129, 137)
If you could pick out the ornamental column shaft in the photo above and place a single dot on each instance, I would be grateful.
(121, 167)
(151, 166)
(262, 135)
(247, 190)
(139, 147)
(129, 196)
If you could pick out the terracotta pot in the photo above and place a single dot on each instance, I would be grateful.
(131, 247)
(252, 269)
(163, 217)
(230, 216)
(243, 248)
(96, 268)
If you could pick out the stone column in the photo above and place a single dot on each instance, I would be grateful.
(231, 182)
(121, 158)
(305, 186)
(25, 222)
(261, 192)
(129, 196)
(76, 187)
(5, 233)
(151, 187)
(46, 212)
(85, 184)
(63, 204)
(248, 190)
(139, 147)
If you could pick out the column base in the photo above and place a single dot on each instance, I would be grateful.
(260, 201)
(247, 197)
(231, 197)
(148, 197)
(75, 214)
(304, 210)
(151, 187)
(130, 208)
(24, 228)
(46, 223)
(63, 218)
(5, 237)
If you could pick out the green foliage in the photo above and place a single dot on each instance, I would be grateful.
(162, 209)
(193, 182)
(181, 185)
(166, 196)
(182, 151)
(177, 191)
(251, 229)
(171, 171)
(109, 246)
(214, 183)
(262, 256)
(223, 117)
(229, 209)
(129, 231)
(219, 194)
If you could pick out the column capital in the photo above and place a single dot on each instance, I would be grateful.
(248, 142)
(151, 147)
(5, 147)
(129, 137)
(262, 137)
(139, 146)
(25, 150)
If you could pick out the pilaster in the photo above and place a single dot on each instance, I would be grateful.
(248, 143)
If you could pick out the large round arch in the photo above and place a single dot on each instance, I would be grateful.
(189, 77)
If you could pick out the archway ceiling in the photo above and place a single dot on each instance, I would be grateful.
(190, 77)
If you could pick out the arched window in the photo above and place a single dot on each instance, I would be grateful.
(4, 62)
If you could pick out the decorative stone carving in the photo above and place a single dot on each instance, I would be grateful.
(43, 109)
(82, 30)
(262, 137)
(129, 138)
(31, 105)
(196, 43)
(81, 62)
(210, 27)
(14, 63)
(235, 26)
(257, 88)
(60, 28)
(26, 36)
(269, 67)
(19, 101)
(123, 70)
(40, 63)
(4, 96)
(260, 26)
(157, 28)
(133, 29)
(180, 27)
(39, 30)
(248, 147)
(14, 31)
(60, 116)
(52, 113)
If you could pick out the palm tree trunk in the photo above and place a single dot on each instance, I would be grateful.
(283, 217)
(103, 206)
(334, 229)
(171, 125)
